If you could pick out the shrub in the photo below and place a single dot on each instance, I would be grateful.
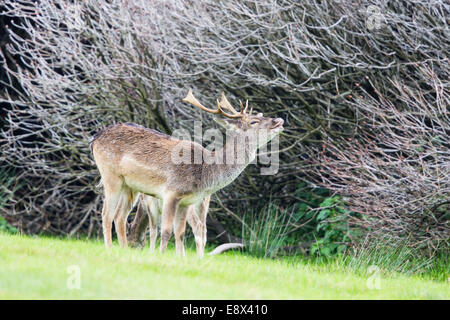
(364, 95)
(334, 233)
(5, 227)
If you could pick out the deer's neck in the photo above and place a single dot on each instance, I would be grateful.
(229, 162)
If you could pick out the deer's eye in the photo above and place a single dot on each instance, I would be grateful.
(254, 122)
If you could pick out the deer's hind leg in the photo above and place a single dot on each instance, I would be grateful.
(124, 206)
(106, 224)
(112, 186)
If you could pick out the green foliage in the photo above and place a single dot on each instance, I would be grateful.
(5, 227)
(322, 218)
(333, 232)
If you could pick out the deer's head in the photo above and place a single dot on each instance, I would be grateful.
(243, 122)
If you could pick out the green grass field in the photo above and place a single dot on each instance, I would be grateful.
(46, 268)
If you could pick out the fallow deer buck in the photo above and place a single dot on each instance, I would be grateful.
(134, 160)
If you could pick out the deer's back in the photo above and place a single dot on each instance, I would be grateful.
(142, 157)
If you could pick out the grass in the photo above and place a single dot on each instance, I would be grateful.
(398, 258)
(41, 268)
(264, 232)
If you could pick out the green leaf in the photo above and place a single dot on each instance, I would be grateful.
(323, 214)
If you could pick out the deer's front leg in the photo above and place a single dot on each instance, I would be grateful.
(196, 225)
(196, 217)
(170, 206)
(203, 214)
(180, 229)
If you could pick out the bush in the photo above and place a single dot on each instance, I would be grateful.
(364, 94)
(5, 227)
(334, 233)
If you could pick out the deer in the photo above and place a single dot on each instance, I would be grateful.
(134, 160)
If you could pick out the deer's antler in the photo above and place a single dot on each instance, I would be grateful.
(223, 104)
(192, 100)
